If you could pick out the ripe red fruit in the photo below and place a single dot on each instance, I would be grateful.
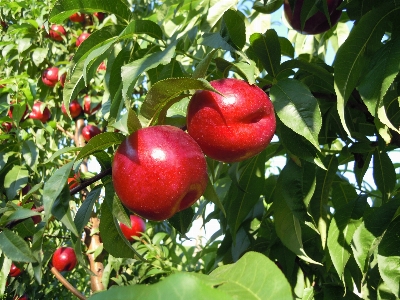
(99, 15)
(56, 32)
(36, 219)
(137, 227)
(7, 126)
(50, 76)
(14, 271)
(75, 109)
(23, 297)
(90, 131)
(81, 38)
(73, 182)
(102, 67)
(87, 109)
(235, 127)
(38, 114)
(77, 17)
(158, 171)
(62, 79)
(317, 23)
(64, 259)
(26, 112)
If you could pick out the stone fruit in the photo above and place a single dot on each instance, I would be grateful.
(50, 76)
(64, 259)
(63, 77)
(158, 171)
(40, 113)
(88, 108)
(137, 227)
(15, 271)
(81, 38)
(57, 32)
(75, 109)
(233, 127)
(318, 22)
(90, 131)
(77, 17)
(99, 15)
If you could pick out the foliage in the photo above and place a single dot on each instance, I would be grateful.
(329, 234)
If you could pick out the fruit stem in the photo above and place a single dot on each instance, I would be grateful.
(66, 283)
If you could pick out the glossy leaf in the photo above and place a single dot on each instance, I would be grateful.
(384, 173)
(233, 29)
(216, 11)
(61, 210)
(268, 7)
(268, 50)
(85, 210)
(142, 27)
(15, 180)
(100, 142)
(297, 108)
(202, 67)
(15, 248)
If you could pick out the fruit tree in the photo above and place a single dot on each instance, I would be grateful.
(200, 149)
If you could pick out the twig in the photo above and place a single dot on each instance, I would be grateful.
(69, 134)
(89, 181)
(66, 283)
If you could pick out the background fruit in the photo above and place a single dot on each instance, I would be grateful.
(90, 131)
(37, 114)
(317, 23)
(99, 15)
(50, 76)
(81, 38)
(75, 109)
(235, 127)
(64, 259)
(137, 227)
(88, 107)
(15, 271)
(77, 17)
(158, 171)
(62, 79)
(56, 32)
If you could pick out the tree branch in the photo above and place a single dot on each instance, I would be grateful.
(89, 181)
(68, 134)
(66, 283)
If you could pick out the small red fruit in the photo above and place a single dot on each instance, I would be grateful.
(39, 114)
(90, 131)
(56, 32)
(63, 77)
(23, 297)
(87, 109)
(138, 226)
(77, 17)
(158, 171)
(317, 23)
(102, 67)
(100, 16)
(72, 182)
(15, 271)
(81, 38)
(233, 127)
(26, 112)
(50, 76)
(64, 259)
(75, 109)
(36, 219)
(7, 126)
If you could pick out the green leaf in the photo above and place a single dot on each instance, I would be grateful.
(215, 13)
(131, 72)
(247, 71)
(30, 153)
(85, 211)
(39, 55)
(73, 86)
(367, 236)
(389, 257)
(269, 7)
(15, 180)
(181, 285)
(254, 276)
(61, 210)
(53, 187)
(100, 142)
(384, 173)
(286, 47)
(163, 92)
(15, 248)
(297, 108)
(128, 123)
(233, 29)
(343, 192)
(64, 8)
(244, 193)
(268, 50)
(383, 69)
(202, 67)
(342, 227)
(182, 220)
(211, 195)
(61, 152)
(302, 182)
(146, 27)
(352, 55)
(288, 227)
(319, 201)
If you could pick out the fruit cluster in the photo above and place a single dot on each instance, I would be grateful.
(230, 126)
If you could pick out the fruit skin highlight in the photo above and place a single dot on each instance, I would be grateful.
(233, 127)
(158, 171)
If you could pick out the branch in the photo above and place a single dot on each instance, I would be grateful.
(68, 134)
(66, 283)
(89, 181)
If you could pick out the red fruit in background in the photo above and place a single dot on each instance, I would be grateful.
(158, 171)
(235, 127)
(64, 259)
(23, 297)
(99, 15)
(63, 77)
(56, 32)
(72, 182)
(87, 109)
(3, 24)
(50, 76)
(90, 131)
(75, 109)
(317, 23)
(102, 67)
(15, 271)
(26, 189)
(38, 114)
(81, 38)
(36, 219)
(6, 126)
(26, 112)
(137, 227)
(77, 17)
